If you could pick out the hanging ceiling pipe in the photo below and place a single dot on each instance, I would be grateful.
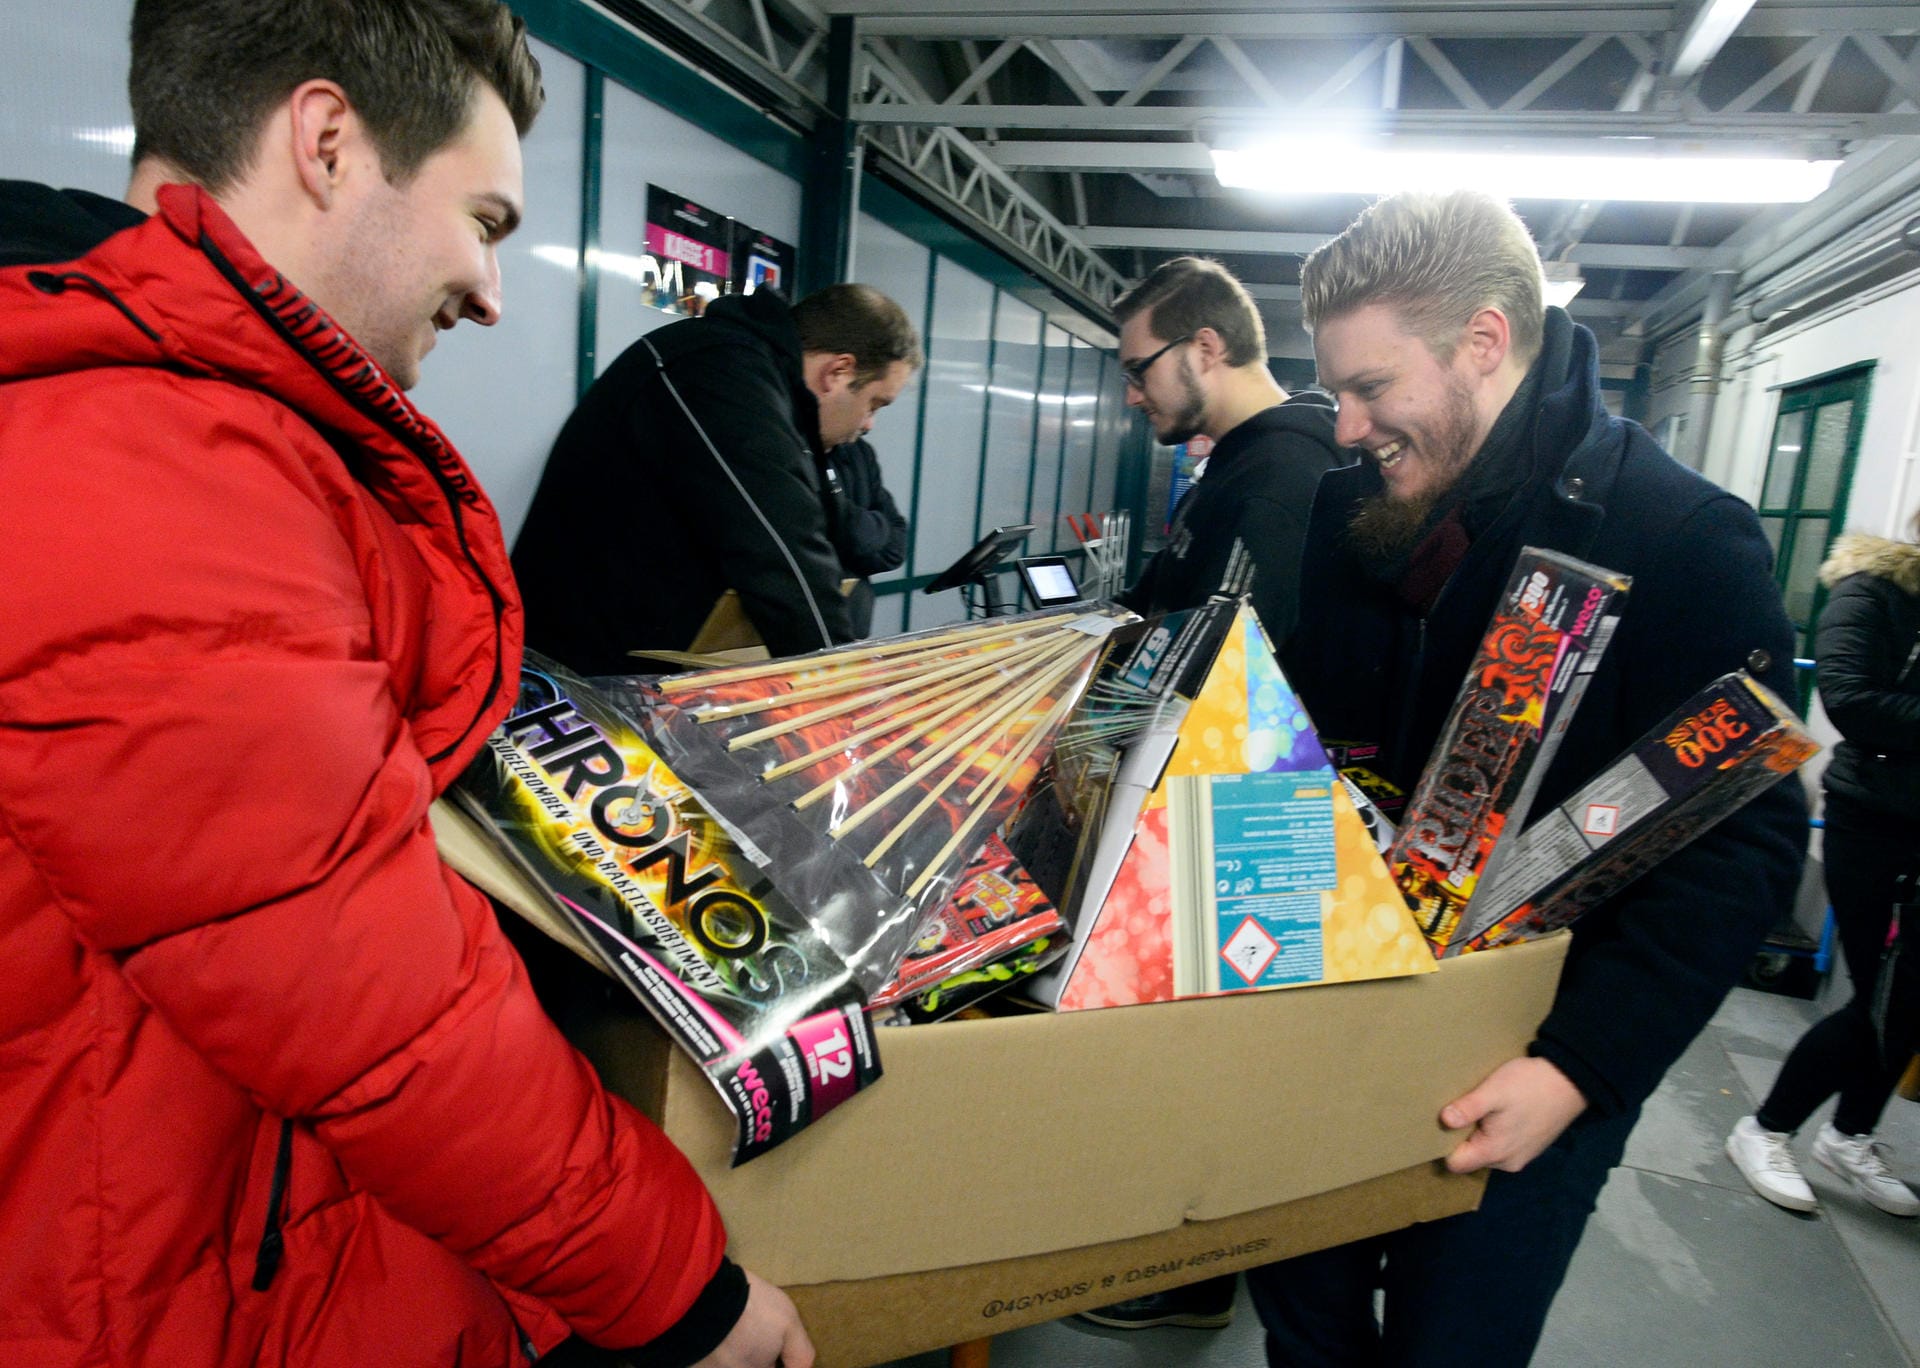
(1704, 386)
(1767, 306)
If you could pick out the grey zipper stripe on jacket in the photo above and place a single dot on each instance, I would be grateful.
(806, 590)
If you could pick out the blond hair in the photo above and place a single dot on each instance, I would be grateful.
(1436, 259)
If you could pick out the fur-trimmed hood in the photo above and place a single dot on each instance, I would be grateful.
(1861, 553)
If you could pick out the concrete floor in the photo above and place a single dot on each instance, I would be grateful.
(1681, 1263)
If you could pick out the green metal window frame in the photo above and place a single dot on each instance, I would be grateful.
(1795, 518)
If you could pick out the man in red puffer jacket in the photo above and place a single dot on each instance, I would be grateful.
(273, 1087)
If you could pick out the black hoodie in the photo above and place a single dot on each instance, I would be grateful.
(1241, 528)
(692, 466)
(40, 225)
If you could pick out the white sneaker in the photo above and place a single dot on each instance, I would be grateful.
(1765, 1162)
(1859, 1159)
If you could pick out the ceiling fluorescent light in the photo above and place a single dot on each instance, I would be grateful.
(1563, 282)
(1712, 25)
(1672, 179)
(1560, 293)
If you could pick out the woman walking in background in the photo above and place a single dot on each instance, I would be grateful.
(1868, 649)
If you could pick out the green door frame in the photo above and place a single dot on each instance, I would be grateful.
(1793, 517)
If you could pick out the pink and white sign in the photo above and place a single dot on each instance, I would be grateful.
(668, 245)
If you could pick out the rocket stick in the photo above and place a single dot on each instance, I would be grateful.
(915, 706)
(1020, 752)
(860, 653)
(920, 732)
(964, 668)
(967, 736)
(1003, 772)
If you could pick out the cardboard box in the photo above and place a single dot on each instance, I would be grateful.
(1014, 1171)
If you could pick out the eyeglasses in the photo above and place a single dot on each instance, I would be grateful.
(1136, 371)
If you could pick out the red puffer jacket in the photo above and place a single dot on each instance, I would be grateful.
(254, 614)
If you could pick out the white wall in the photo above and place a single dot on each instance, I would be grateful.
(1059, 406)
(957, 341)
(502, 392)
(1886, 331)
(646, 145)
(1013, 402)
(64, 119)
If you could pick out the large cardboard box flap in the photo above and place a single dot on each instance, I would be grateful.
(857, 1324)
(1006, 1139)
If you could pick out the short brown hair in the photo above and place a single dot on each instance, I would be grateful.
(858, 319)
(206, 74)
(1190, 293)
(1436, 259)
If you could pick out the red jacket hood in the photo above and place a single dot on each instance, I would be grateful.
(186, 291)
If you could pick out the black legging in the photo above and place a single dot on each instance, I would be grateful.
(1865, 852)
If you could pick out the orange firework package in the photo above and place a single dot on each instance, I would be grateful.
(996, 912)
(1541, 648)
(1726, 745)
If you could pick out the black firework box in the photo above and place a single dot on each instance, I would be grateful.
(1722, 748)
(1545, 640)
(702, 924)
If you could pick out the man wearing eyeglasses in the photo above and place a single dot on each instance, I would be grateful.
(1194, 355)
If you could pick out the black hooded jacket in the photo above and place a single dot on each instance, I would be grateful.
(1647, 969)
(40, 225)
(1239, 530)
(1868, 646)
(692, 466)
(869, 530)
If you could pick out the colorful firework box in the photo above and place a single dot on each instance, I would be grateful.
(971, 987)
(701, 924)
(1722, 748)
(997, 912)
(1232, 858)
(1355, 761)
(903, 756)
(1546, 639)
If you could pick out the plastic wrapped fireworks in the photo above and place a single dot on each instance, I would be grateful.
(997, 913)
(684, 909)
(901, 756)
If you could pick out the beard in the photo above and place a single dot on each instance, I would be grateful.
(1386, 526)
(1183, 424)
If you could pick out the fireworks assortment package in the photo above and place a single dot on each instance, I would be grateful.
(757, 850)
(698, 921)
(1232, 858)
(1723, 747)
(1546, 639)
(970, 987)
(997, 912)
(902, 756)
